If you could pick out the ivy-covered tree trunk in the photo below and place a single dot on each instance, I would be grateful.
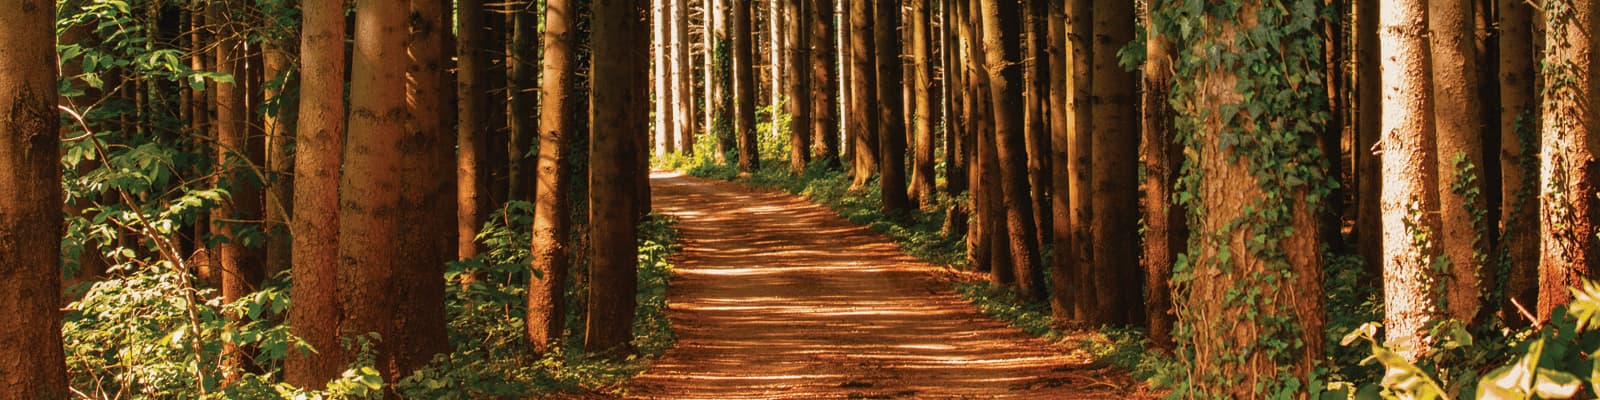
(1569, 171)
(1115, 145)
(720, 78)
(744, 87)
(1410, 196)
(617, 114)
(421, 252)
(32, 362)
(824, 81)
(1249, 294)
(863, 108)
(551, 217)
(1001, 41)
(1166, 228)
(319, 141)
(1463, 235)
(891, 108)
(1519, 162)
(472, 136)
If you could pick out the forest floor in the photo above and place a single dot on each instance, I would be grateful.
(777, 297)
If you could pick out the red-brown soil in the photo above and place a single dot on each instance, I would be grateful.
(777, 297)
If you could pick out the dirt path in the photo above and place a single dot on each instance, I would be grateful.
(776, 297)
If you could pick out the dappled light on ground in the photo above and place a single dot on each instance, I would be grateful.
(776, 297)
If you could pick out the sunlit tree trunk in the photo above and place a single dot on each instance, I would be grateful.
(682, 78)
(240, 267)
(891, 108)
(617, 113)
(319, 140)
(1001, 34)
(1116, 170)
(1061, 278)
(744, 87)
(1569, 170)
(824, 81)
(797, 61)
(421, 252)
(1080, 255)
(551, 217)
(957, 147)
(979, 232)
(721, 79)
(278, 124)
(1410, 194)
(472, 136)
(32, 362)
(1035, 118)
(522, 66)
(1463, 236)
(864, 119)
(922, 175)
(661, 78)
(1519, 152)
(1165, 232)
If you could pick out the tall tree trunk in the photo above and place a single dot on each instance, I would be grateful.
(372, 177)
(472, 127)
(522, 66)
(1254, 293)
(957, 147)
(1036, 123)
(744, 88)
(551, 218)
(497, 163)
(421, 252)
(922, 176)
(1166, 228)
(1001, 26)
(1061, 265)
(979, 233)
(891, 108)
(1410, 175)
(722, 113)
(863, 93)
(1080, 255)
(241, 268)
(319, 141)
(1519, 162)
(1116, 170)
(660, 78)
(824, 81)
(1569, 169)
(277, 124)
(1369, 128)
(1459, 155)
(683, 94)
(617, 113)
(797, 33)
(32, 361)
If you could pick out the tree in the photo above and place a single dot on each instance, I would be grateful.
(863, 94)
(32, 361)
(1080, 254)
(922, 176)
(891, 108)
(425, 154)
(1250, 292)
(1519, 148)
(551, 221)
(660, 78)
(958, 147)
(1570, 144)
(1409, 193)
(1369, 128)
(1062, 265)
(824, 81)
(682, 78)
(319, 140)
(719, 56)
(1115, 145)
(1001, 36)
(1036, 113)
(241, 267)
(1459, 154)
(796, 35)
(744, 88)
(617, 111)
(1165, 235)
(370, 187)
(472, 136)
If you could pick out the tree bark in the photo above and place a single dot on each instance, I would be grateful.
(1569, 170)
(319, 141)
(798, 82)
(472, 136)
(241, 268)
(277, 124)
(683, 93)
(744, 88)
(922, 176)
(863, 94)
(32, 361)
(373, 175)
(1166, 226)
(979, 233)
(1116, 170)
(891, 109)
(661, 78)
(721, 113)
(1519, 160)
(551, 221)
(1036, 122)
(1369, 128)
(425, 154)
(1410, 176)
(1459, 155)
(1001, 25)
(824, 82)
(522, 68)
(1080, 255)
(617, 113)
(1061, 265)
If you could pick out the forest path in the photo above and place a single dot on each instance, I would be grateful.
(777, 297)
